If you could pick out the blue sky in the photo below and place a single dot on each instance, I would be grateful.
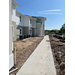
(53, 10)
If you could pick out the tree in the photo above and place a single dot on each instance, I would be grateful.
(62, 29)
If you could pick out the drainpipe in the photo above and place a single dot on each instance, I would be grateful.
(15, 55)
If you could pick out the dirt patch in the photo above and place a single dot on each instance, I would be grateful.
(24, 49)
(58, 49)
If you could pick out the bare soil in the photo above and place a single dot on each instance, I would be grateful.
(58, 49)
(24, 49)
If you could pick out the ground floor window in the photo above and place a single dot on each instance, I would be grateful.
(30, 31)
(20, 31)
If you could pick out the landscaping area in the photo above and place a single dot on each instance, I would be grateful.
(58, 49)
(24, 49)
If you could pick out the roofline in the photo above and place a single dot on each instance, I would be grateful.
(15, 3)
(33, 18)
(19, 13)
(28, 16)
(39, 17)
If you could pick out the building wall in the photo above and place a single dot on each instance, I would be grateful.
(16, 16)
(11, 56)
(40, 23)
(33, 31)
(26, 21)
(43, 30)
(38, 29)
(14, 13)
(18, 19)
(43, 23)
(34, 23)
(26, 30)
(16, 31)
(10, 27)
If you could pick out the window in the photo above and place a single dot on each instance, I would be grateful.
(20, 31)
(30, 21)
(20, 18)
(30, 31)
(13, 30)
(38, 21)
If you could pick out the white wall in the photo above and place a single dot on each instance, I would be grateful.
(18, 19)
(43, 23)
(13, 12)
(10, 27)
(34, 23)
(11, 61)
(11, 56)
(16, 16)
(26, 21)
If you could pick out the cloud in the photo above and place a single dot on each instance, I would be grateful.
(50, 11)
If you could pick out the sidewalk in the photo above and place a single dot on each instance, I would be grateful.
(40, 62)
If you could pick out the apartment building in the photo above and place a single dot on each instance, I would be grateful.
(22, 26)
(25, 25)
(11, 56)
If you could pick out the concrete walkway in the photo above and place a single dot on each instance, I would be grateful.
(40, 62)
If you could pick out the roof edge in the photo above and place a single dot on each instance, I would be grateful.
(15, 3)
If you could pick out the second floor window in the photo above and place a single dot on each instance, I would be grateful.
(20, 18)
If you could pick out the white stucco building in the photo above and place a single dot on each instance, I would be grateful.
(22, 26)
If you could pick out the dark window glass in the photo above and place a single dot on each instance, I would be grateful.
(20, 18)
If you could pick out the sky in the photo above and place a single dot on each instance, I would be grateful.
(53, 10)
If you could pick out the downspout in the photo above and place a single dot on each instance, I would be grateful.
(15, 55)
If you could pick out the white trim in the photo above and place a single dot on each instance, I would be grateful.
(15, 3)
(21, 31)
(11, 61)
(12, 30)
